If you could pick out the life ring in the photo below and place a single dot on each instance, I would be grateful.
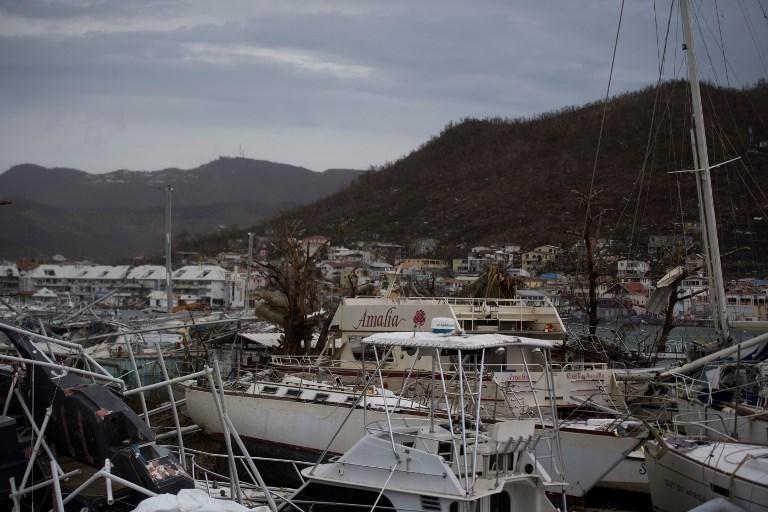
(548, 328)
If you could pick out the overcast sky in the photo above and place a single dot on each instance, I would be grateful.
(145, 84)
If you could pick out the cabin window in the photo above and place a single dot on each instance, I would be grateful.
(328, 498)
(270, 390)
(293, 393)
(351, 399)
(358, 352)
(322, 397)
(445, 450)
(430, 503)
(500, 502)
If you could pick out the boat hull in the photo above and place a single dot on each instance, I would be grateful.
(680, 482)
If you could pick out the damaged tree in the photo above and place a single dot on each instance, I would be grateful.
(591, 263)
(493, 283)
(292, 298)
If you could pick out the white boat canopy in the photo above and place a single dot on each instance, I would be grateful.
(453, 341)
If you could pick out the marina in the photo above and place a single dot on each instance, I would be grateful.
(295, 371)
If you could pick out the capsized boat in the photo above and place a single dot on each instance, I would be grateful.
(89, 422)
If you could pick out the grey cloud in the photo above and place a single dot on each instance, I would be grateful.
(107, 84)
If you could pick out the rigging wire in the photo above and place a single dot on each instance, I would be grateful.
(726, 144)
(752, 35)
(722, 45)
(639, 181)
(602, 123)
(760, 4)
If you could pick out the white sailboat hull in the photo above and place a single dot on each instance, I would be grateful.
(296, 425)
(682, 481)
(631, 474)
(588, 456)
(306, 427)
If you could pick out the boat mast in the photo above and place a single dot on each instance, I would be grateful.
(708, 222)
(168, 266)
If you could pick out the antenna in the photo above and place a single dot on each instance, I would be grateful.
(241, 154)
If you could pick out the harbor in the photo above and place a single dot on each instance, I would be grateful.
(346, 354)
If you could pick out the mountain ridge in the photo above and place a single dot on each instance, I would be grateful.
(118, 215)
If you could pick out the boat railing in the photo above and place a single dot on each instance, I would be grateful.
(474, 301)
(715, 425)
(198, 469)
(688, 388)
(298, 360)
(538, 368)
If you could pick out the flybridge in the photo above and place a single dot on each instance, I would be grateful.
(528, 317)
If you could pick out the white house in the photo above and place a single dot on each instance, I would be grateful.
(203, 283)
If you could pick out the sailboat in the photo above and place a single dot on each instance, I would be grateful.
(685, 474)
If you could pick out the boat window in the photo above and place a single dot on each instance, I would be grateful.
(357, 351)
(269, 389)
(430, 503)
(328, 498)
(322, 397)
(500, 502)
(351, 399)
(293, 392)
(445, 450)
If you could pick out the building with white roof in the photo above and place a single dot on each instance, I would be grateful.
(210, 284)
(81, 282)
(9, 279)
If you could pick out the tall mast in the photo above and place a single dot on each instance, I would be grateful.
(708, 221)
(168, 266)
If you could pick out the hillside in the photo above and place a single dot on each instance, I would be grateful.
(115, 216)
(225, 180)
(498, 180)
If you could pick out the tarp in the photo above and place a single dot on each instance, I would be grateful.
(191, 500)
(453, 342)
(266, 339)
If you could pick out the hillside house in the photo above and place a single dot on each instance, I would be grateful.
(661, 246)
(535, 260)
(422, 265)
(390, 253)
(747, 303)
(313, 244)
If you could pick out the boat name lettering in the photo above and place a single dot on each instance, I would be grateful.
(517, 377)
(684, 490)
(585, 375)
(388, 319)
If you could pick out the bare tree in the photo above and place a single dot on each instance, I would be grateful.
(292, 298)
(591, 261)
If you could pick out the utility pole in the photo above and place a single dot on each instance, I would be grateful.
(168, 264)
(248, 272)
